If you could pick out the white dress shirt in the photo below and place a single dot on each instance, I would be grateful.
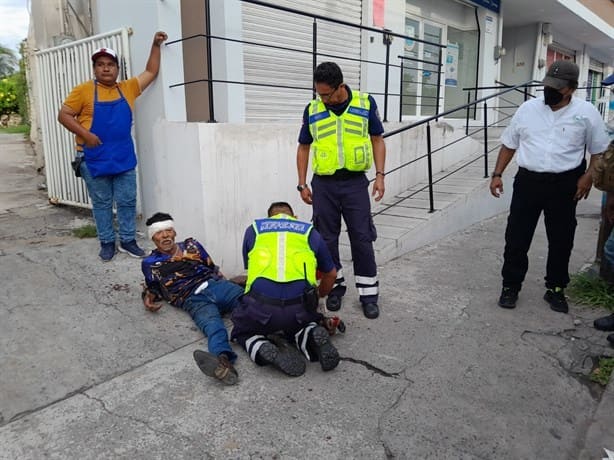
(553, 141)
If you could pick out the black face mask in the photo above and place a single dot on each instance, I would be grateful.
(552, 96)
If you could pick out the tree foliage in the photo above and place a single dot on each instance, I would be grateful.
(8, 61)
(13, 85)
(8, 96)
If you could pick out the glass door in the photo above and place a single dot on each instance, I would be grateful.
(431, 69)
(421, 68)
(411, 87)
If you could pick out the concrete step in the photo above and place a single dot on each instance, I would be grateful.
(404, 222)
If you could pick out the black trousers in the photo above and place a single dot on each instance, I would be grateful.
(554, 195)
(348, 198)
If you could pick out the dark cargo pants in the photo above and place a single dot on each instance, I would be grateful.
(349, 198)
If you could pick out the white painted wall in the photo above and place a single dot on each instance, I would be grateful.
(518, 63)
(215, 178)
(489, 69)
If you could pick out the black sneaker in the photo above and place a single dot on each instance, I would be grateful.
(508, 297)
(107, 251)
(319, 343)
(132, 249)
(605, 323)
(556, 298)
(370, 309)
(218, 367)
(333, 302)
(287, 359)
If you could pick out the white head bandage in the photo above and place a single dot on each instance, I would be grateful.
(158, 227)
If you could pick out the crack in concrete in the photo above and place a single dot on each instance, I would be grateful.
(25, 413)
(114, 307)
(136, 419)
(371, 367)
(564, 334)
(83, 389)
(380, 432)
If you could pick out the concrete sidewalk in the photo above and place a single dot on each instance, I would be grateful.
(87, 373)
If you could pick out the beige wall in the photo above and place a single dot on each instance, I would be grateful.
(602, 8)
(195, 65)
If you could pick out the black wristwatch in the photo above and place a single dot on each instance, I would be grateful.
(301, 187)
(496, 174)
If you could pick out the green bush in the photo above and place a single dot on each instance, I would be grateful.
(8, 96)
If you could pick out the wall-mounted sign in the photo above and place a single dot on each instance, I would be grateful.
(492, 5)
(452, 64)
(489, 21)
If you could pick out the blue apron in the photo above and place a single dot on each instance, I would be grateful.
(112, 123)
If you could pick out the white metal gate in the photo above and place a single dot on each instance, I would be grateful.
(59, 70)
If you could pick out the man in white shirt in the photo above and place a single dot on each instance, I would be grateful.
(550, 134)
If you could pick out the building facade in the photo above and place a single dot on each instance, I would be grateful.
(216, 133)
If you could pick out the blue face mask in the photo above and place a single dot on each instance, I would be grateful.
(552, 96)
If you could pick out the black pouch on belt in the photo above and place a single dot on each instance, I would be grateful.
(310, 298)
(76, 166)
(310, 294)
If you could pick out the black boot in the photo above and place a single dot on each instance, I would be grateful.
(606, 323)
(319, 344)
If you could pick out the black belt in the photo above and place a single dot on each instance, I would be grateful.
(276, 302)
(342, 174)
(551, 175)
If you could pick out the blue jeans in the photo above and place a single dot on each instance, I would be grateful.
(608, 248)
(103, 191)
(206, 309)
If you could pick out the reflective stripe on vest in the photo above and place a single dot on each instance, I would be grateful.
(341, 141)
(281, 252)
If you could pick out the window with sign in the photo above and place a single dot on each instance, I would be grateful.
(421, 68)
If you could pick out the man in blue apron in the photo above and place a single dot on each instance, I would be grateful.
(99, 113)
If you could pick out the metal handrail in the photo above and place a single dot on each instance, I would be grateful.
(387, 34)
(430, 151)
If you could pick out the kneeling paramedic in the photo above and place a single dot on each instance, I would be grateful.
(281, 255)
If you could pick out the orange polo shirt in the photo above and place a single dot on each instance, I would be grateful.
(81, 100)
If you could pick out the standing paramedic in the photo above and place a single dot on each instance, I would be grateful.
(99, 113)
(343, 130)
(550, 134)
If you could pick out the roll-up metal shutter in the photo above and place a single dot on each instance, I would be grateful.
(273, 66)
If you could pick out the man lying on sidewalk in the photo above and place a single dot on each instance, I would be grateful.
(184, 275)
(281, 255)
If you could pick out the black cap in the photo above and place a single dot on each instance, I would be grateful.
(562, 74)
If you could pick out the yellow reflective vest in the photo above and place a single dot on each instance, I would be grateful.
(281, 252)
(341, 141)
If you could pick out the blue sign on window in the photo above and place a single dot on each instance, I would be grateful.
(492, 5)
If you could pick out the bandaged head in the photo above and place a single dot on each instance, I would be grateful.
(158, 222)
